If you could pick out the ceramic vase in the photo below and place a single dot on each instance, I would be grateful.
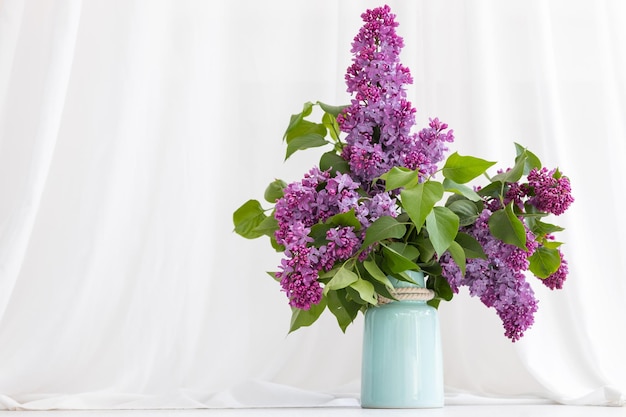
(402, 357)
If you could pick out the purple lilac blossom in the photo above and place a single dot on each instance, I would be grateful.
(379, 120)
(311, 201)
(555, 281)
(516, 192)
(513, 192)
(552, 195)
(497, 280)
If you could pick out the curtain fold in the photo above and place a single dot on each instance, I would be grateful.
(131, 130)
(25, 165)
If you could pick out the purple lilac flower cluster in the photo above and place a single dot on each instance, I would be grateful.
(497, 280)
(556, 280)
(379, 120)
(312, 201)
(552, 193)
(548, 193)
(545, 190)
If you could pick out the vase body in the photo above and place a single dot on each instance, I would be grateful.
(402, 356)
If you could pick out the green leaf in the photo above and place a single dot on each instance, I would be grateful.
(267, 227)
(274, 191)
(458, 254)
(295, 119)
(318, 231)
(431, 268)
(334, 110)
(425, 247)
(365, 290)
(531, 159)
(442, 225)
(330, 122)
(326, 276)
(466, 210)
(380, 288)
(307, 108)
(504, 225)
(333, 162)
(342, 279)
(404, 276)
(419, 201)
(514, 174)
(385, 227)
(541, 229)
(310, 140)
(441, 287)
(544, 262)
(303, 318)
(377, 273)
(398, 177)
(408, 251)
(247, 217)
(346, 219)
(470, 245)
(493, 190)
(318, 234)
(462, 169)
(552, 244)
(300, 127)
(396, 262)
(460, 189)
(275, 245)
(343, 309)
(353, 296)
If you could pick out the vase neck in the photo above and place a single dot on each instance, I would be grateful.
(416, 276)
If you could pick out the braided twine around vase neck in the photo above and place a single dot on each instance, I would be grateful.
(408, 294)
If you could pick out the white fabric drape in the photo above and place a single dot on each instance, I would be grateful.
(131, 130)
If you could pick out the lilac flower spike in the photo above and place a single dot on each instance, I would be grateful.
(311, 201)
(497, 280)
(552, 192)
(379, 120)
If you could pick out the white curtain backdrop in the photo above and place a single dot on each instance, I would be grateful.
(131, 130)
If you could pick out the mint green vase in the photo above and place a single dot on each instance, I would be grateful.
(402, 358)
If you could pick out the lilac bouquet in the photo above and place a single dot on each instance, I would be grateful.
(373, 209)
